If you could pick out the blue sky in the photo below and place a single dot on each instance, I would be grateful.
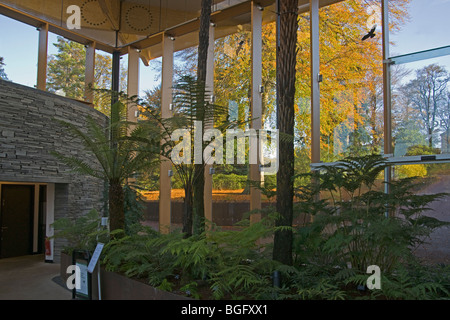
(19, 48)
(427, 28)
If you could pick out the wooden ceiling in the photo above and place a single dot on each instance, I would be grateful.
(118, 24)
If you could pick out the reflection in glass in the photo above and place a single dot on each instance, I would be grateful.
(421, 107)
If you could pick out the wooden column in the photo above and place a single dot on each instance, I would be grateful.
(166, 101)
(315, 85)
(42, 58)
(89, 72)
(132, 82)
(208, 187)
(256, 104)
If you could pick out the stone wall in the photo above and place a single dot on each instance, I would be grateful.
(28, 135)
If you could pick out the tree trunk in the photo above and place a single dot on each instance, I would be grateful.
(116, 203)
(187, 211)
(286, 64)
(199, 179)
(430, 138)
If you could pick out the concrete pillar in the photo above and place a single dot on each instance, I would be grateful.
(166, 101)
(42, 57)
(256, 103)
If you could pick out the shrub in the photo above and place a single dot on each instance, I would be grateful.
(229, 181)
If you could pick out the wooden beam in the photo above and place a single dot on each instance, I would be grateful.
(42, 57)
(256, 104)
(107, 9)
(89, 77)
(132, 82)
(166, 101)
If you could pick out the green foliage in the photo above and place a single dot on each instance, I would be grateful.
(409, 282)
(81, 233)
(229, 181)
(349, 231)
(133, 208)
(191, 109)
(2, 70)
(66, 73)
(418, 150)
(231, 263)
(120, 151)
(351, 224)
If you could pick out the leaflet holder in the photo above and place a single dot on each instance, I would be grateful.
(81, 258)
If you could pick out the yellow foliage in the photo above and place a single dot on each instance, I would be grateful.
(413, 170)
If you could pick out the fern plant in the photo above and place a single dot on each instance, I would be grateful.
(357, 223)
(120, 151)
(192, 112)
(227, 263)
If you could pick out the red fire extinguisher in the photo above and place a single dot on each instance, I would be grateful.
(48, 249)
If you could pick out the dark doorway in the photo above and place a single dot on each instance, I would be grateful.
(42, 218)
(16, 220)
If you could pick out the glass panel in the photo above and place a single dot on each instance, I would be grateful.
(19, 51)
(66, 68)
(418, 25)
(351, 90)
(302, 130)
(431, 179)
(149, 76)
(421, 107)
(232, 85)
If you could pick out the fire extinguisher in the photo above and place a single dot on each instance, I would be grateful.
(48, 249)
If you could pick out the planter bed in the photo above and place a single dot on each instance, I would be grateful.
(115, 286)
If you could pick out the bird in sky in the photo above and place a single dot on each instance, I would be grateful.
(371, 33)
(239, 47)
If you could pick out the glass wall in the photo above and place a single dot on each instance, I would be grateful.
(420, 82)
(421, 107)
(351, 88)
(417, 25)
(431, 179)
(19, 51)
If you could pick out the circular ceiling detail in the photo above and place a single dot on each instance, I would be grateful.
(92, 14)
(139, 18)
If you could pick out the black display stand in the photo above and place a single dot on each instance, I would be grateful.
(82, 256)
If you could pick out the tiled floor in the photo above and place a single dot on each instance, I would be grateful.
(30, 278)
